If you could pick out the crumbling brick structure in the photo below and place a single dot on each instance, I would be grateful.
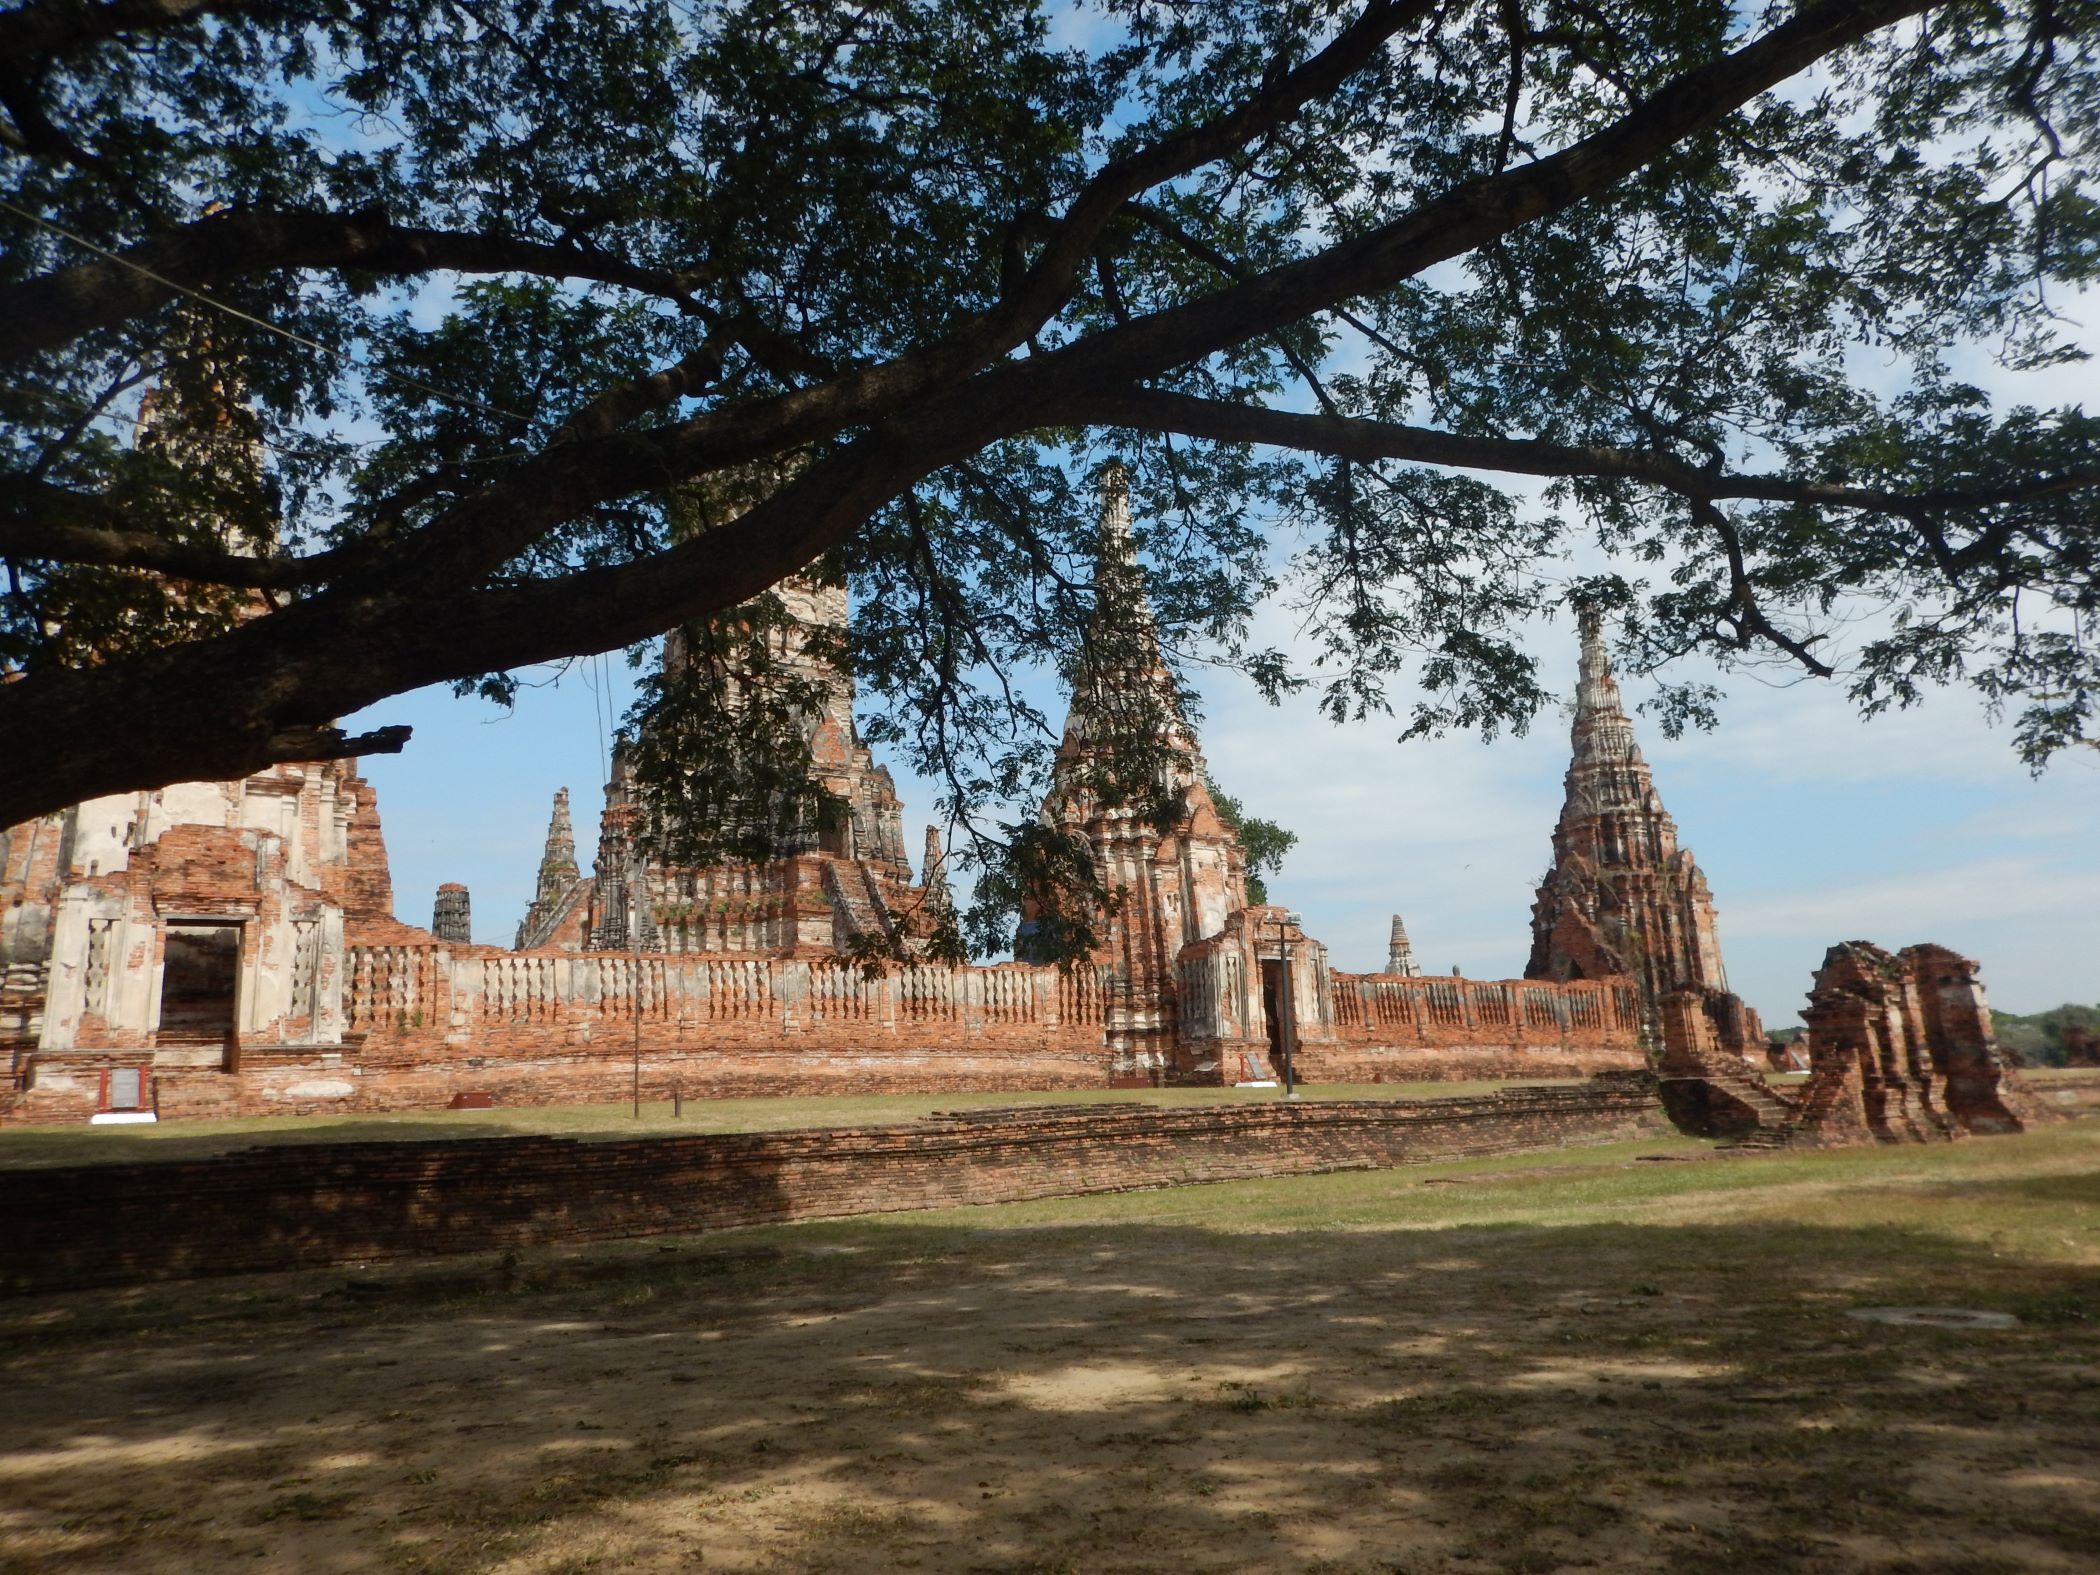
(1181, 938)
(185, 933)
(558, 917)
(1900, 1050)
(1623, 899)
(1901, 1047)
(452, 915)
(817, 888)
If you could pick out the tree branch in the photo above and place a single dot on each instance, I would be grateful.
(56, 308)
(1479, 211)
(1750, 619)
(332, 743)
(1370, 441)
(59, 525)
(52, 28)
(1072, 238)
(220, 708)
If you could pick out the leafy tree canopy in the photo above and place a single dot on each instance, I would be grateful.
(2049, 1038)
(484, 333)
(1263, 841)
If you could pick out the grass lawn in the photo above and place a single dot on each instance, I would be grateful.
(85, 1145)
(1635, 1357)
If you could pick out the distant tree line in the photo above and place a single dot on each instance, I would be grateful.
(2067, 1035)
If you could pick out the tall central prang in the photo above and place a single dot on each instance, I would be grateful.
(1623, 898)
(1185, 955)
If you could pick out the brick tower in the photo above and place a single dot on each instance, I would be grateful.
(1400, 953)
(555, 917)
(1180, 881)
(451, 917)
(810, 892)
(1622, 898)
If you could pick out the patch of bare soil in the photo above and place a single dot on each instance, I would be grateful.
(1116, 1398)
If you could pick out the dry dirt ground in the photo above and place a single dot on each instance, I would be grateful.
(1633, 1358)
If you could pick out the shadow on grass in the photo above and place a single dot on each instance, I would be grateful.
(844, 1396)
(39, 1147)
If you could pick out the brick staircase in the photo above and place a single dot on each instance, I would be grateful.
(1819, 1101)
(1777, 1116)
(852, 892)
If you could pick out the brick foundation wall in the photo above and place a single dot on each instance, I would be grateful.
(2072, 1093)
(545, 1068)
(1445, 1063)
(279, 1208)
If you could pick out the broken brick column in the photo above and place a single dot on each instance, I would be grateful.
(1956, 1019)
(1863, 1068)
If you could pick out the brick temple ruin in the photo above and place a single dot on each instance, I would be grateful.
(231, 949)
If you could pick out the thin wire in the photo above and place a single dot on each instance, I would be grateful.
(269, 327)
(597, 721)
(605, 683)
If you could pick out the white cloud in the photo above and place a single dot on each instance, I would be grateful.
(1979, 892)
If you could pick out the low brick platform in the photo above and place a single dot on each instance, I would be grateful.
(289, 1207)
(2075, 1093)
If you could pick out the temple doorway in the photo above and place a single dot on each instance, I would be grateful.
(200, 984)
(1271, 997)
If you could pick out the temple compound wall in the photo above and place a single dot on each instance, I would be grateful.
(418, 1024)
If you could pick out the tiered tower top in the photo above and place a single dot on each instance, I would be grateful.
(1622, 896)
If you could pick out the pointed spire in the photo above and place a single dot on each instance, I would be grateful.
(558, 862)
(1117, 546)
(1123, 685)
(1621, 899)
(1602, 729)
(1119, 581)
(1400, 953)
(933, 875)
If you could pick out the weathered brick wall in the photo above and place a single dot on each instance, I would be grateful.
(275, 1208)
(1394, 1028)
(535, 1067)
(368, 882)
(427, 1021)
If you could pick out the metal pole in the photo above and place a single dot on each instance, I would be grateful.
(634, 941)
(1288, 1006)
